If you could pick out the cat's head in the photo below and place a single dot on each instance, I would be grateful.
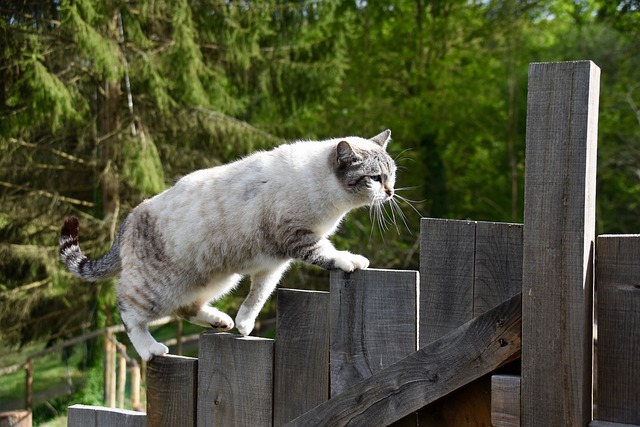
(365, 169)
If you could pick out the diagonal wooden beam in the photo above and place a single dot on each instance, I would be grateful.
(468, 352)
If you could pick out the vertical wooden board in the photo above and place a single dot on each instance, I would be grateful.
(98, 416)
(172, 389)
(301, 368)
(235, 378)
(446, 276)
(559, 232)
(373, 323)
(498, 264)
(81, 416)
(112, 417)
(618, 308)
(505, 401)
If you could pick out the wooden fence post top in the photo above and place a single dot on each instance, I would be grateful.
(559, 239)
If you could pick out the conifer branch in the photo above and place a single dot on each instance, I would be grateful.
(238, 123)
(44, 193)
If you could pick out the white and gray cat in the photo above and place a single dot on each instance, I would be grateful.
(191, 244)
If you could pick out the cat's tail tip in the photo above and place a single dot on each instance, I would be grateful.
(70, 228)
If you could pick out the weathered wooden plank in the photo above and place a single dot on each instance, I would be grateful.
(498, 264)
(596, 423)
(172, 390)
(98, 416)
(446, 276)
(559, 234)
(467, 353)
(505, 401)
(301, 370)
(618, 284)
(110, 417)
(482, 261)
(468, 406)
(373, 323)
(81, 416)
(235, 375)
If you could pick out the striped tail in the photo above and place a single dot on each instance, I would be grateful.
(81, 266)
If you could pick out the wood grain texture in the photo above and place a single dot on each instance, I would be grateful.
(559, 234)
(498, 264)
(505, 401)
(373, 323)
(301, 369)
(597, 423)
(172, 390)
(467, 353)
(618, 284)
(235, 377)
(447, 250)
(98, 416)
(482, 261)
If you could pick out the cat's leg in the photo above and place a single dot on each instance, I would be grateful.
(139, 304)
(205, 315)
(323, 254)
(262, 285)
(201, 313)
(138, 331)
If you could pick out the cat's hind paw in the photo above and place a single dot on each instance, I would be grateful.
(245, 326)
(155, 349)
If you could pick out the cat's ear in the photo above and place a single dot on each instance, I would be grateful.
(345, 154)
(382, 139)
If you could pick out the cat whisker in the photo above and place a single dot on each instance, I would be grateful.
(408, 202)
(398, 159)
(396, 207)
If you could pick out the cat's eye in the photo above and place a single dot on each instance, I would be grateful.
(377, 178)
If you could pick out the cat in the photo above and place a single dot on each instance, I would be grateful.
(189, 245)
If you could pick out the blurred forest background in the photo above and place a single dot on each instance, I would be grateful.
(106, 102)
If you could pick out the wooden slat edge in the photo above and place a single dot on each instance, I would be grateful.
(470, 351)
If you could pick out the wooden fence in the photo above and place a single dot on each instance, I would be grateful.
(495, 329)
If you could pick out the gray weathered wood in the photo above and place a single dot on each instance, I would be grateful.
(505, 401)
(98, 416)
(447, 250)
(235, 377)
(559, 233)
(618, 284)
(481, 262)
(373, 323)
(498, 264)
(301, 369)
(596, 423)
(470, 351)
(172, 390)
(81, 416)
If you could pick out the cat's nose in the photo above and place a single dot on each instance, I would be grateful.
(389, 191)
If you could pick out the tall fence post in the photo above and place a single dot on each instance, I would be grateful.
(559, 234)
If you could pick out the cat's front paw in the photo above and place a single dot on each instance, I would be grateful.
(349, 262)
